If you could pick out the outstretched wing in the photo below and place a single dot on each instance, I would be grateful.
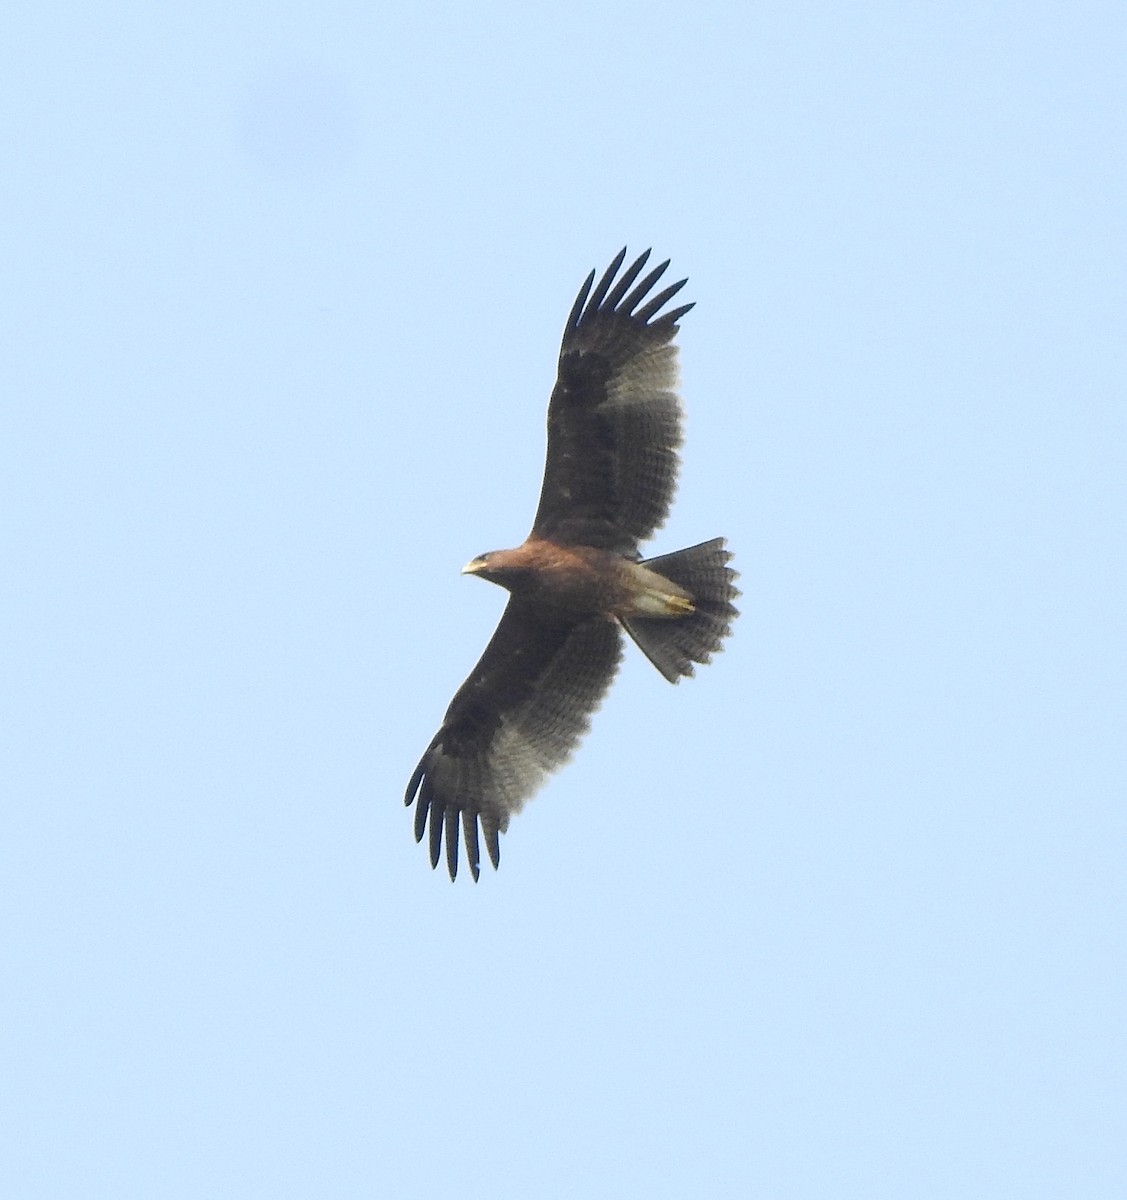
(517, 717)
(614, 420)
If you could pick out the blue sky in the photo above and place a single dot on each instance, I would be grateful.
(842, 916)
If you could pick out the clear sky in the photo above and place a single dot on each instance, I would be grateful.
(843, 916)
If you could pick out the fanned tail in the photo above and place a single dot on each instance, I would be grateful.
(674, 644)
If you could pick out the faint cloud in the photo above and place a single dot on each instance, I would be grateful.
(297, 122)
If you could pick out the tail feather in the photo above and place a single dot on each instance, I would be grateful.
(674, 644)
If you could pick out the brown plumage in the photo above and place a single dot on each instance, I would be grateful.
(614, 426)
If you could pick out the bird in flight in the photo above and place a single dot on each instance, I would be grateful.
(578, 580)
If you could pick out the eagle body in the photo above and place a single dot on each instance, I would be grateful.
(571, 583)
(578, 581)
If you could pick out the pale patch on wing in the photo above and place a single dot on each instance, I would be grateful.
(649, 376)
(520, 768)
(643, 407)
(539, 736)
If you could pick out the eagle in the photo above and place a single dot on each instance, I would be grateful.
(578, 580)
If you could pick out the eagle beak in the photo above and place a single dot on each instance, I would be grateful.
(473, 566)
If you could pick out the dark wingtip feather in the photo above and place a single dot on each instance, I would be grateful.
(436, 822)
(651, 306)
(452, 833)
(473, 854)
(580, 300)
(635, 298)
(601, 288)
(492, 840)
(421, 814)
(674, 315)
(628, 276)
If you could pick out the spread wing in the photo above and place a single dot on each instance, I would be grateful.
(516, 718)
(614, 420)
